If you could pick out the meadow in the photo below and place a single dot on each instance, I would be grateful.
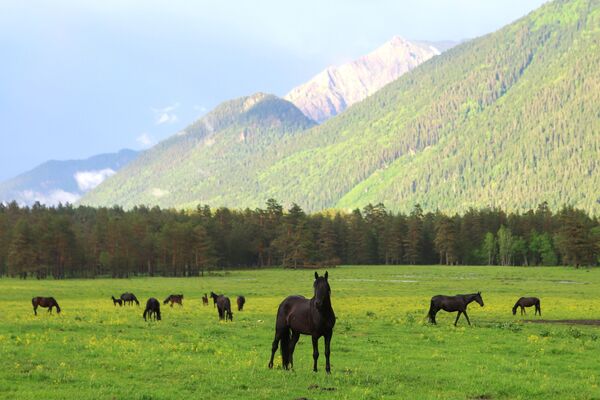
(382, 347)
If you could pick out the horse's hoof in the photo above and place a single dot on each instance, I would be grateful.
(270, 366)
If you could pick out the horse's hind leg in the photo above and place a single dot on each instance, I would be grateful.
(295, 338)
(35, 310)
(315, 343)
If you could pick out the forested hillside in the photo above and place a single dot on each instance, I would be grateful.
(215, 159)
(68, 242)
(506, 120)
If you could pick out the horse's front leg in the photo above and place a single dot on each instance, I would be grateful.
(467, 317)
(35, 310)
(315, 343)
(457, 317)
(295, 338)
(328, 351)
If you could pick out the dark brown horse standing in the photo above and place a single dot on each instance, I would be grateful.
(116, 301)
(46, 302)
(205, 300)
(527, 302)
(152, 309)
(453, 303)
(214, 296)
(298, 315)
(129, 298)
(224, 308)
(241, 300)
(174, 298)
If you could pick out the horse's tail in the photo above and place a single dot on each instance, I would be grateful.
(430, 312)
(285, 346)
(158, 314)
(145, 313)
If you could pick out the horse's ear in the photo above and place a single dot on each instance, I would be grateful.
(326, 274)
(316, 275)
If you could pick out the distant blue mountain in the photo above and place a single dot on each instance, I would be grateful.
(56, 182)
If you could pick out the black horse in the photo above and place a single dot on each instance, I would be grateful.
(215, 297)
(174, 298)
(129, 298)
(527, 302)
(152, 309)
(224, 308)
(46, 302)
(241, 300)
(297, 315)
(116, 301)
(453, 303)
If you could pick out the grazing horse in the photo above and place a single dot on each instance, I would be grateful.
(453, 303)
(205, 300)
(297, 315)
(527, 302)
(129, 298)
(224, 308)
(152, 309)
(46, 302)
(241, 300)
(116, 301)
(174, 298)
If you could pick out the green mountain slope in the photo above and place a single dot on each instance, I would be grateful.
(510, 119)
(209, 160)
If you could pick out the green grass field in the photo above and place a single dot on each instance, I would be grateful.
(382, 346)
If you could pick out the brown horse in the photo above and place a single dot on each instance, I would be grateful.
(214, 296)
(453, 303)
(152, 309)
(241, 300)
(129, 298)
(297, 315)
(224, 308)
(174, 298)
(46, 302)
(205, 299)
(528, 302)
(116, 301)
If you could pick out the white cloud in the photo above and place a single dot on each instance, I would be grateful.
(158, 192)
(87, 180)
(145, 140)
(51, 198)
(166, 115)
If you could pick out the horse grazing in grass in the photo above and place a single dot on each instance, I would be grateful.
(46, 302)
(116, 301)
(453, 303)
(152, 309)
(129, 298)
(297, 315)
(224, 308)
(205, 300)
(527, 302)
(174, 298)
(241, 300)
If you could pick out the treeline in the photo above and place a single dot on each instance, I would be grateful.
(69, 242)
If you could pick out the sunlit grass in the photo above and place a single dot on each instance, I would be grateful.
(382, 345)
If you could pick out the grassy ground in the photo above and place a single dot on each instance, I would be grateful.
(382, 347)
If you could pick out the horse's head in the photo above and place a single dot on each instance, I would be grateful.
(515, 310)
(322, 290)
(478, 299)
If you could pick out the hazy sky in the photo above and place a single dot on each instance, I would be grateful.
(78, 78)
